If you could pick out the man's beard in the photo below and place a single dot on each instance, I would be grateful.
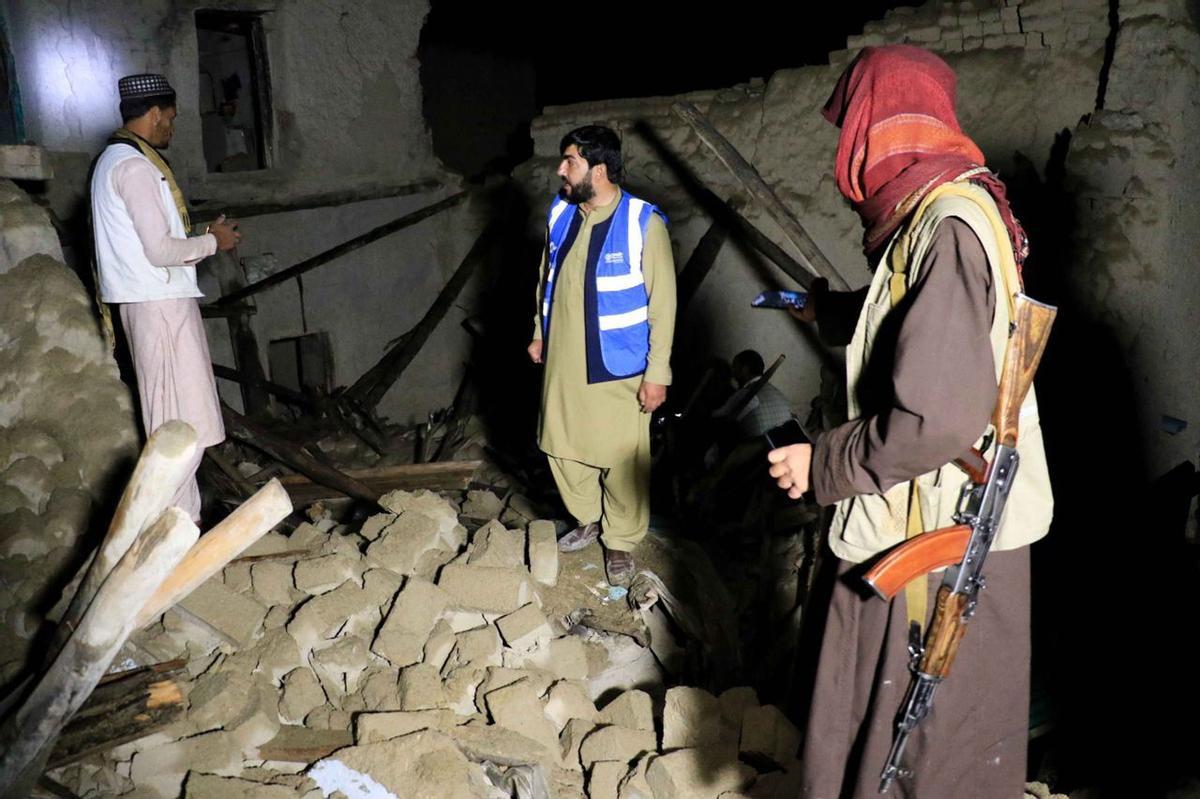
(580, 192)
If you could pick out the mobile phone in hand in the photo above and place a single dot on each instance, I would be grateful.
(780, 299)
(786, 434)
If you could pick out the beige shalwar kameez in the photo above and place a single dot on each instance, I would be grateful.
(596, 436)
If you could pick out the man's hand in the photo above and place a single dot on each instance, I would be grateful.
(650, 396)
(226, 233)
(790, 466)
(535, 350)
(809, 312)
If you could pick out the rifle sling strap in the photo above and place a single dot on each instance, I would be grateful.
(916, 592)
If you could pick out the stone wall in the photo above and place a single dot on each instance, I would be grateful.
(1066, 103)
(954, 27)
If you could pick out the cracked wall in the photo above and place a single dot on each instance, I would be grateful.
(1130, 170)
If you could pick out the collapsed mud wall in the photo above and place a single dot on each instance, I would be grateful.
(67, 426)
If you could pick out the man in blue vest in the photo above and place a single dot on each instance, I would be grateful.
(603, 329)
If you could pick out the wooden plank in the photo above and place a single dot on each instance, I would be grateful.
(700, 263)
(436, 476)
(124, 707)
(226, 311)
(814, 260)
(241, 428)
(727, 213)
(283, 392)
(237, 531)
(28, 736)
(344, 248)
(769, 249)
(369, 389)
(208, 210)
(231, 277)
(244, 487)
(160, 470)
(294, 744)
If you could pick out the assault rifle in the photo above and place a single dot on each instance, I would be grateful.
(963, 548)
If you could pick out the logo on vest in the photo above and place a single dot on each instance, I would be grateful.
(614, 257)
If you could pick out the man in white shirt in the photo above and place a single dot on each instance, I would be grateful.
(146, 259)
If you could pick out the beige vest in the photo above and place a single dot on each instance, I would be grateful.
(867, 524)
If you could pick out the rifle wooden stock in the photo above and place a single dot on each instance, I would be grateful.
(985, 500)
(945, 633)
(915, 557)
(1025, 347)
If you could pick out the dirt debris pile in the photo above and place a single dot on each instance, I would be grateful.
(415, 658)
(67, 428)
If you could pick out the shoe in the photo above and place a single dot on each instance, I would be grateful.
(580, 537)
(618, 566)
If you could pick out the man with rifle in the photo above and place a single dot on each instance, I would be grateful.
(923, 365)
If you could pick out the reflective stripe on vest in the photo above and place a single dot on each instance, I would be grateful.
(622, 312)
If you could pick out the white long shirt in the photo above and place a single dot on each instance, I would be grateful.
(142, 250)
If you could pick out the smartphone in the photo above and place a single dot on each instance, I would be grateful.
(786, 434)
(780, 299)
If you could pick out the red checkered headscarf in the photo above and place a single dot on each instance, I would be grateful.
(900, 139)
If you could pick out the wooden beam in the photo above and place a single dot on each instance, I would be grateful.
(724, 212)
(436, 476)
(344, 248)
(27, 737)
(283, 392)
(294, 744)
(208, 210)
(290, 455)
(237, 531)
(232, 277)
(343, 418)
(244, 487)
(369, 389)
(211, 311)
(745, 229)
(124, 707)
(160, 470)
(700, 263)
(813, 259)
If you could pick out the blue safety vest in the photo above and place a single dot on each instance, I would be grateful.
(617, 319)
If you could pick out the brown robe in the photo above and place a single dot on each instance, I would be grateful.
(930, 379)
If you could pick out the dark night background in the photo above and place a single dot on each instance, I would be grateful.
(488, 70)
